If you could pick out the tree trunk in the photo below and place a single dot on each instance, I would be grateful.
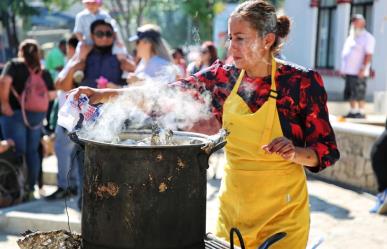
(11, 36)
(141, 7)
(15, 39)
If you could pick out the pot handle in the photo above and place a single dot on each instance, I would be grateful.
(74, 137)
(272, 239)
(215, 142)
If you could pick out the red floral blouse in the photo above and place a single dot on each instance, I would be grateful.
(301, 103)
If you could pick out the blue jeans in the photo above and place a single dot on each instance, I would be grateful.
(26, 140)
(63, 150)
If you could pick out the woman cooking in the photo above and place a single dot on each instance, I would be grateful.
(277, 117)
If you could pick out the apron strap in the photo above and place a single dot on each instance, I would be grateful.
(238, 83)
(272, 106)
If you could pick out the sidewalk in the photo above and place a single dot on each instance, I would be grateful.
(342, 108)
(339, 217)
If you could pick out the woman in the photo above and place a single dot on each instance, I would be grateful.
(26, 137)
(208, 56)
(278, 121)
(179, 61)
(153, 53)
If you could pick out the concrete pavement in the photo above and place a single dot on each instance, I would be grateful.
(339, 217)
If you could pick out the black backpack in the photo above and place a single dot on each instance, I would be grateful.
(12, 178)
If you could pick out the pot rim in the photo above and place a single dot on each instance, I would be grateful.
(202, 137)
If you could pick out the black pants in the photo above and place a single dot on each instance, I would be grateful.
(379, 161)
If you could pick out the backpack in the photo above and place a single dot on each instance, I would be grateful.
(34, 97)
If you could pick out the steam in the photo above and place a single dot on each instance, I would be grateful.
(141, 106)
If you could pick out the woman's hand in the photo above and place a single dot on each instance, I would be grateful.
(281, 146)
(6, 109)
(285, 148)
(94, 95)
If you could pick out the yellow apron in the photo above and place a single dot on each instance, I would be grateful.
(261, 194)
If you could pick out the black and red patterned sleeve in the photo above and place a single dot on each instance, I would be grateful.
(204, 80)
(319, 134)
(214, 80)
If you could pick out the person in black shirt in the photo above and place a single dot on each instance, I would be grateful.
(27, 137)
(379, 165)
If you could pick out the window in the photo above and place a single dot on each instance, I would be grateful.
(364, 7)
(326, 27)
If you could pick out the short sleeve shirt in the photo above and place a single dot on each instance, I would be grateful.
(354, 50)
(19, 73)
(156, 67)
(54, 59)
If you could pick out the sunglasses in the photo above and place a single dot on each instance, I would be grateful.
(100, 34)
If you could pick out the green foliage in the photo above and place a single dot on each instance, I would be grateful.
(18, 7)
(202, 14)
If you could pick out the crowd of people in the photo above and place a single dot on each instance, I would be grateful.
(95, 55)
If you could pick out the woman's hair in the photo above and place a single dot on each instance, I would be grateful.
(159, 45)
(178, 51)
(30, 51)
(210, 46)
(262, 17)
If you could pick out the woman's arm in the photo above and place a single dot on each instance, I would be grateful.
(5, 88)
(97, 95)
(204, 80)
(65, 80)
(318, 132)
(320, 150)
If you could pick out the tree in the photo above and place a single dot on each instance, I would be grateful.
(125, 11)
(9, 10)
(202, 14)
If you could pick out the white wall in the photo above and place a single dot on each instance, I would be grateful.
(300, 47)
(379, 59)
(342, 23)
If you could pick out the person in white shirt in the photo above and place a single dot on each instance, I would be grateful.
(356, 62)
(86, 17)
(155, 59)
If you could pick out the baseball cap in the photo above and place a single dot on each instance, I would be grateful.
(92, 1)
(150, 34)
(357, 17)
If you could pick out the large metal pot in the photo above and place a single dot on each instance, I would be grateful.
(145, 197)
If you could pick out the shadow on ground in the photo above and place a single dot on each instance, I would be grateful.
(320, 205)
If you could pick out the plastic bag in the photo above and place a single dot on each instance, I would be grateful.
(75, 114)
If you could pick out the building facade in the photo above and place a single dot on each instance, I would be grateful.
(319, 30)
